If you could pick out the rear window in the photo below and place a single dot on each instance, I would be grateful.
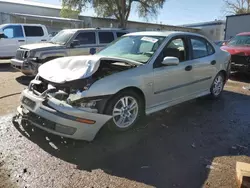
(119, 34)
(105, 37)
(33, 31)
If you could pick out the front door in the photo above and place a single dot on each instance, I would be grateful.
(172, 83)
(13, 38)
(87, 44)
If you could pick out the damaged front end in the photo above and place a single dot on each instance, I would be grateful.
(240, 62)
(61, 101)
(25, 62)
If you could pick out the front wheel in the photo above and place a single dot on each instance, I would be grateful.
(217, 86)
(126, 109)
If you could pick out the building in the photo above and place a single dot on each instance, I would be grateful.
(23, 11)
(237, 24)
(214, 30)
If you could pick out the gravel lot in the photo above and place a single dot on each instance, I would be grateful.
(195, 144)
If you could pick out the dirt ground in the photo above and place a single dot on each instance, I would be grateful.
(195, 144)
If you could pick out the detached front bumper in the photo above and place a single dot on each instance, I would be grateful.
(240, 63)
(24, 66)
(59, 118)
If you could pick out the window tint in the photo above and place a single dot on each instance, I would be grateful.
(175, 48)
(13, 31)
(105, 37)
(201, 48)
(119, 34)
(86, 38)
(33, 31)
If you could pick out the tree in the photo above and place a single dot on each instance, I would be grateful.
(238, 6)
(68, 12)
(119, 9)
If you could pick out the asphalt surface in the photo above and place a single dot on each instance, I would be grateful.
(194, 144)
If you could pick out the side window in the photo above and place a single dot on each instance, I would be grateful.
(201, 48)
(33, 31)
(14, 31)
(176, 48)
(105, 37)
(119, 34)
(86, 38)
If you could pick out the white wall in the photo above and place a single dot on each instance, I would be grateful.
(237, 24)
(27, 9)
(213, 32)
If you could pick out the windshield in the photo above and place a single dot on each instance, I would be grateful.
(240, 40)
(137, 48)
(62, 37)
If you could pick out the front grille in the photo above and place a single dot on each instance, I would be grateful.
(21, 54)
(243, 60)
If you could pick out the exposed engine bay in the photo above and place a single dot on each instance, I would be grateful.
(70, 91)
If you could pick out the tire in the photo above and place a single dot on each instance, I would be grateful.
(116, 102)
(217, 86)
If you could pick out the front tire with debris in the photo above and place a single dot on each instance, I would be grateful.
(127, 108)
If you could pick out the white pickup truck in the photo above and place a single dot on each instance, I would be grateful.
(12, 36)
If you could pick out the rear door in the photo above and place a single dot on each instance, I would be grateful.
(203, 63)
(34, 34)
(14, 37)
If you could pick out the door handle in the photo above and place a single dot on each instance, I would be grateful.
(43, 40)
(213, 62)
(188, 68)
(21, 40)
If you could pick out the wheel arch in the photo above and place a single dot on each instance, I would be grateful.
(224, 74)
(130, 88)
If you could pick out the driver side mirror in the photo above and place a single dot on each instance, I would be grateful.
(75, 43)
(170, 61)
(2, 35)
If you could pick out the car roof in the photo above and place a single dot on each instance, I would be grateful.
(162, 33)
(243, 33)
(97, 29)
(20, 24)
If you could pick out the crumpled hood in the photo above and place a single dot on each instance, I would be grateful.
(66, 69)
(40, 46)
(237, 50)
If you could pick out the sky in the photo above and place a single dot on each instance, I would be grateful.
(174, 12)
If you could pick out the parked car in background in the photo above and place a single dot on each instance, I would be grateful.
(12, 36)
(221, 43)
(52, 34)
(239, 48)
(69, 42)
(138, 74)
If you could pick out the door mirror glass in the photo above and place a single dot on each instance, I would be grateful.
(2, 35)
(75, 43)
(170, 61)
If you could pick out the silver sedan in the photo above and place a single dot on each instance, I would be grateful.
(136, 75)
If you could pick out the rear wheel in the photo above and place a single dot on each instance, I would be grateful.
(218, 85)
(126, 109)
